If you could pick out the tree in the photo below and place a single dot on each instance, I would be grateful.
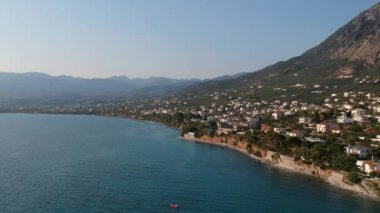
(316, 117)
(353, 176)
(211, 133)
(355, 127)
(293, 141)
(213, 125)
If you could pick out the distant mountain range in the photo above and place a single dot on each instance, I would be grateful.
(39, 87)
(347, 60)
(36, 88)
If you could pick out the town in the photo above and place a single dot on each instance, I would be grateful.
(341, 133)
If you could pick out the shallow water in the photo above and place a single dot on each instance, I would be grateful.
(70, 163)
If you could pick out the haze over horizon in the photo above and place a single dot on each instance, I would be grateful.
(197, 39)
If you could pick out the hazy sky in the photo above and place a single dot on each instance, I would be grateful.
(173, 38)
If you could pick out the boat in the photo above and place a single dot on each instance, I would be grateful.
(174, 205)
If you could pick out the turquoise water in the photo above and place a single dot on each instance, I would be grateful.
(65, 163)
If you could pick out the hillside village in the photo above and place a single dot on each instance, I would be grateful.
(351, 120)
(342, 133)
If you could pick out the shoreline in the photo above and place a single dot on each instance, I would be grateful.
(359, 190)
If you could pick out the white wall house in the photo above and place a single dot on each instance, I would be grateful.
(322, 128)
(362, 151)
(304, 120)
(344, 119)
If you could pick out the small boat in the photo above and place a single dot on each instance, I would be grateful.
(174, 205)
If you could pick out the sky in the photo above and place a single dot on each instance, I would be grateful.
(170, 38)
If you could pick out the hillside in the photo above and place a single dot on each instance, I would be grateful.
(347, 60)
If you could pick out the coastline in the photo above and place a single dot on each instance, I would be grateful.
(330, 177)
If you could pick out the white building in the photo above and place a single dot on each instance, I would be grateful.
(322, 128)
(304, 120)
(362, 151)
(368, 166)
(276, 115)
(358, 112)
(344, 119)
(314, 140)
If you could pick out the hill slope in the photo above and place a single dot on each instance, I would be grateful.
(340, 62)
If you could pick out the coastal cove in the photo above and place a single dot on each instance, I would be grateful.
(77, 163)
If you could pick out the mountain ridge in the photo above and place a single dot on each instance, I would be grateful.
(40, 86)
(329, 64)
(359, 39)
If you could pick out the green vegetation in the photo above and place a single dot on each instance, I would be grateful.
(353, 176)
(197, 127)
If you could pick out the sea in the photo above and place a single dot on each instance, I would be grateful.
(78, 163)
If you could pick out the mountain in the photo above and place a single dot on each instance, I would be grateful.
(357, 40)
(35, 87)
(347, 60)
(226, 77)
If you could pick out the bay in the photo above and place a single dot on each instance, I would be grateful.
(75, 163)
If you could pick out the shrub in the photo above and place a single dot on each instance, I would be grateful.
(353, 177)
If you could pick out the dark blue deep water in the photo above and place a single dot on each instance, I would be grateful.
(67, 163)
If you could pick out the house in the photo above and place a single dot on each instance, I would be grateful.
(289, 113)
(343, 119)
(358, 118)
(371, 166)
(224, 128)
(294, 133)
(265, 128)
(280, 130)
(276, 115)
(377, 139)
(253, 122)
(362, 151)
(358, 115)
(358, 112)
(304, 120)
(240, 127)
(347, 106)
(335, 129)
(368, 166)
(376, 109)
(314, 140)
(323, 128)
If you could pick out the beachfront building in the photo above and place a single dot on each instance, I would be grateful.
(224, 128)
(368, 166)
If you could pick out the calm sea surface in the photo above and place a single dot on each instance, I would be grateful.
(66, 163)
